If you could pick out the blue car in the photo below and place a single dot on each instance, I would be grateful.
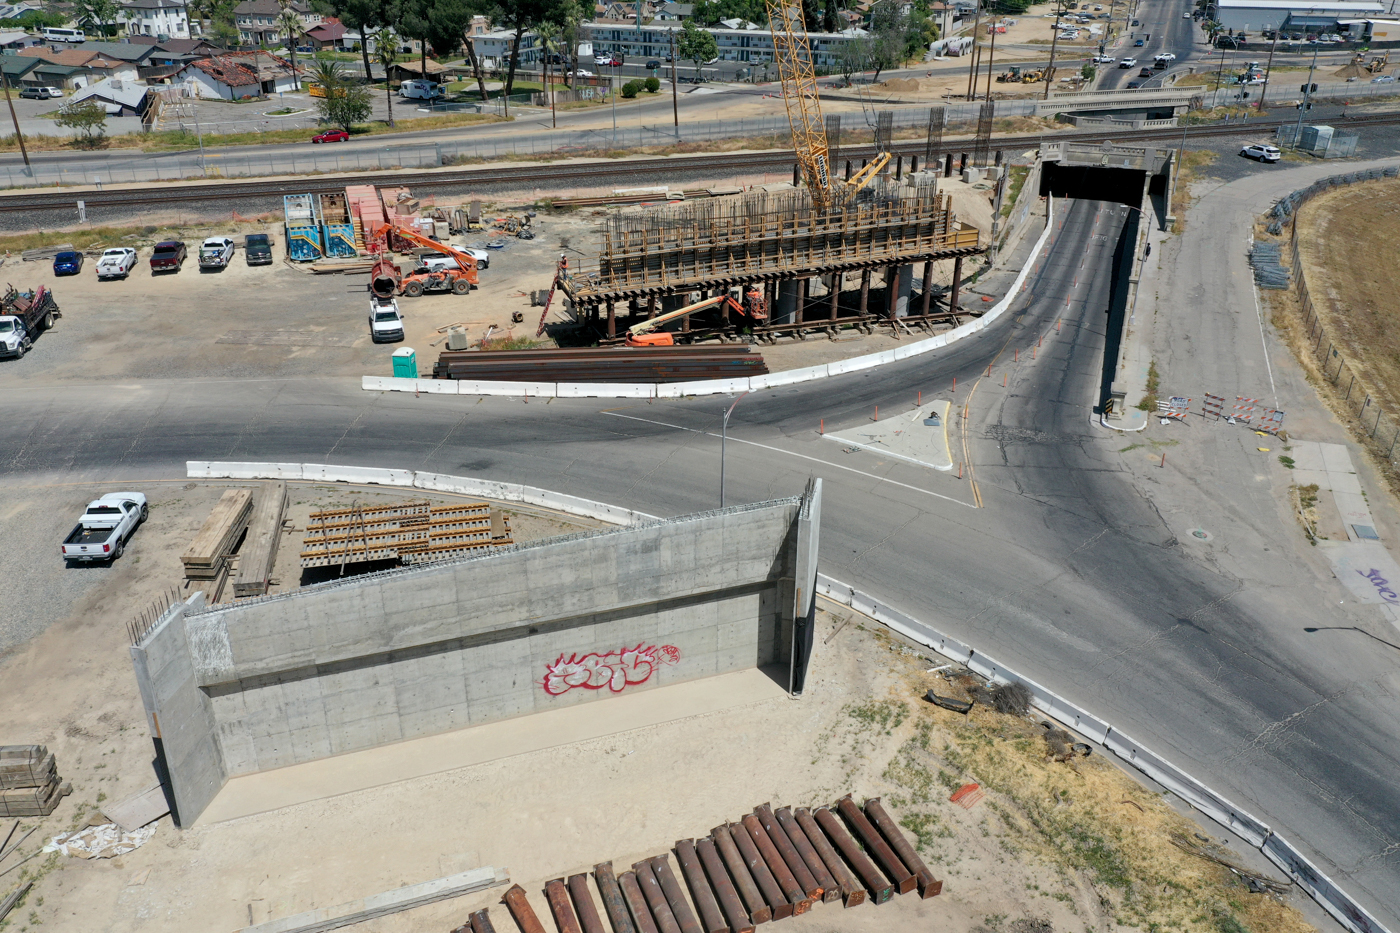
(68, 263)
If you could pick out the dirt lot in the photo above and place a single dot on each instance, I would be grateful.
(1054, 846)
(282, 321)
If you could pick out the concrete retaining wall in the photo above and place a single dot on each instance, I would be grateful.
(274, 681)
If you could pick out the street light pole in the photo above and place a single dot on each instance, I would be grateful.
(675, 107)
(5, 79)
(723, 437)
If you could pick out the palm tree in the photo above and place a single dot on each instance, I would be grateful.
(329, 74)
(386, 52)
(292, 25)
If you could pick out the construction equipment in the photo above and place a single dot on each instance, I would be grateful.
(561, 271)
(387, 279)
(641, 335)
(1011, 75)
(1379, 62)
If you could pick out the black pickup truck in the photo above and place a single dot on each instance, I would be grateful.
(257, 249)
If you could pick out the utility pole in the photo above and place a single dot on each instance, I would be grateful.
(5, 80)
(991, 57)
(675, 107)
(1268, 68)
(972, 71)
(1050, 71)
(1306, 105)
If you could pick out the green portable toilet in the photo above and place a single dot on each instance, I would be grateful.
(405, 363)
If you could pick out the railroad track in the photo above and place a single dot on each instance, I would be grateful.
(555, 173)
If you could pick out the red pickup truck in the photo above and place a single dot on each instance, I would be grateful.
(169, 256)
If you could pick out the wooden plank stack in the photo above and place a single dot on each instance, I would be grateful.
(259, 551)
(29, 782)
(207, 558)
(413, 532)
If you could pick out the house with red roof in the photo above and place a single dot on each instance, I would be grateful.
(238, 75)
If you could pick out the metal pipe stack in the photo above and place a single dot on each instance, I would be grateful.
(772, 864)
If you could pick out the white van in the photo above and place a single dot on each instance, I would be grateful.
(52, 34)
(418, 89)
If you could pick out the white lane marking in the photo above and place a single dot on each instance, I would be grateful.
(1260, 314)
(779, 450)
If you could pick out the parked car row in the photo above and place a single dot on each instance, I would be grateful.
(216, 252)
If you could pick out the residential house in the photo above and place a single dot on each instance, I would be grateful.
(75, 68)
(617, 11)
(17, 69)
(738, 23)
(19, 40)
(136, 53)
(480, 26)
(170, 57)
(257, 20)
(159, 18)
(673, 12)
(238, 75)
(119, 98)
(16, 10)
(493, 48)
(324, 35)
(413, 68)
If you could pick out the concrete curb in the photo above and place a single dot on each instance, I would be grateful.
(1319, 886)
(716, 386)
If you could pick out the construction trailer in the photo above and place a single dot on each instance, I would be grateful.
(784, 246)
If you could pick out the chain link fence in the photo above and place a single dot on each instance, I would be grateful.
(1356, 391)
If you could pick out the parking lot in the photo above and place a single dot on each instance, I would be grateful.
(263, 321)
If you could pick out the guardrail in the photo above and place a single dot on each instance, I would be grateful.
(1303, 872)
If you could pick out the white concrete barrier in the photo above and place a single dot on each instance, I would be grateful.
(437, 386)
(1321, 888)
(605, 390)
(732, 386)
(203, 469)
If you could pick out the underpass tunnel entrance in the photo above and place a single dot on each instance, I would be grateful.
(1092, 183)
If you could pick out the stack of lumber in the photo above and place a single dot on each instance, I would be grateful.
(259, 551)
(413, 532)
(29, 784)
(207, 558)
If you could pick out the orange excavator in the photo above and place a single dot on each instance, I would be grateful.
(641, 335)
(387, 279)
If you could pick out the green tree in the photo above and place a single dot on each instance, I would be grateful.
(98, 16)
(362, 16)
(889, 35)
(519, 17)
(345, 103)
(36, 20)
(386, 53)
(88, 119)
(696, 45)
(289, 21)
(630, 89)
(652, 85)
(851, 56)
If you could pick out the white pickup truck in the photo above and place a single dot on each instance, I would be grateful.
(385, 320)
(102, 532)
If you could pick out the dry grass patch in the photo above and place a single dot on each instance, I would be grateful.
(1192, 162)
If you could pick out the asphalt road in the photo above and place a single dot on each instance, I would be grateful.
(1075, 571)
(1164, 29)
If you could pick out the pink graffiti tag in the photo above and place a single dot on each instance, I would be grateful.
(614, 670)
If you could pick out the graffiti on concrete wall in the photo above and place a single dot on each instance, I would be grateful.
(614, 670)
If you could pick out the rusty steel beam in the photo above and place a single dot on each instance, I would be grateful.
(880, 888)
(636, 903)
(729, 900)
(851, 889)
(902, 877)
(772, 893)
(583, 903)
(759, 911)
(661, 867)
(929, 886)
(808, 854)
(613, 902)
(795, 863)
(786, 882)
(711, 918)
(558, 897)
(656, 898)
(521, 910)
(481, 922)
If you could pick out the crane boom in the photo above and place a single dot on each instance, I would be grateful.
(792, 53)
(466, 261)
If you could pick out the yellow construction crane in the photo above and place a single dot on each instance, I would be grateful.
(792, 52)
